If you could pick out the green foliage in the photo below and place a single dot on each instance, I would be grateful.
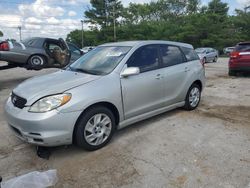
(1, 33)
(177, 20)
(101, 13)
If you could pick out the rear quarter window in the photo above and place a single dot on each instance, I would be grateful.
(190, 54)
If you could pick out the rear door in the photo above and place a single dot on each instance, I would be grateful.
(143, 92)
(176, 71)
(66, 54)
(210, 54)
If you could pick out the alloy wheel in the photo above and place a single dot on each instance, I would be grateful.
(97, 129)
(194, 97)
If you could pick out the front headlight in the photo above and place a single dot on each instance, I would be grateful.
(49, 103)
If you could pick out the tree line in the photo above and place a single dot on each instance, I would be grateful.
(175, 20)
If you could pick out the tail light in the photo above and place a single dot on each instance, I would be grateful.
(4, 46)
(234, 55)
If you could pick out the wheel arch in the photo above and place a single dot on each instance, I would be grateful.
(108, 105)
(199, 83)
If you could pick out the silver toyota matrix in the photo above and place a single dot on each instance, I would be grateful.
(112, 86)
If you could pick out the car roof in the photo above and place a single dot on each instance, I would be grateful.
(242, 43)
(40, 38)
(146, 42)
(204, 48)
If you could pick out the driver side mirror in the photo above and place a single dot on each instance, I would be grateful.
(130, 71)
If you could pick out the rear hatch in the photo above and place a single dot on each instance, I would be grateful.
(241, 53)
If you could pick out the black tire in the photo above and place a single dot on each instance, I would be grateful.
(188, 105)
(36, 62)
(79, 133)
(232, 73)
(215, 59)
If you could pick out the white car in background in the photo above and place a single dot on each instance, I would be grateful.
(228, 50)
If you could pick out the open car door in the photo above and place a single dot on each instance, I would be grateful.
(63, 58)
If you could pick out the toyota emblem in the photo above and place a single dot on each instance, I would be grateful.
(14, 100)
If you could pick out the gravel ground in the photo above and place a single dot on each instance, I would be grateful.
(208, 147)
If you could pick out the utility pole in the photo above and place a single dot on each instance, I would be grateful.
(114, 19)
(82, 33)
(20, 32)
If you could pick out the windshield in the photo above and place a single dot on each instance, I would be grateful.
(101, 60)
(200, 50)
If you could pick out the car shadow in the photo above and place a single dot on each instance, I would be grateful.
(243, 74)
(64, 152)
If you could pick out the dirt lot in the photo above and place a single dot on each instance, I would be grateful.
(208, 147)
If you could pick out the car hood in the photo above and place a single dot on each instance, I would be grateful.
(54, 83)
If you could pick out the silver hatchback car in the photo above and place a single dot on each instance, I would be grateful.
(207, 54)
(112, 86)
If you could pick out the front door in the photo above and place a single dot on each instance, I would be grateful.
(143, 92)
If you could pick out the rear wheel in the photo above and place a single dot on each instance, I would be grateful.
(193, 97)
(95, 128)
(232, 73)
(36, 62)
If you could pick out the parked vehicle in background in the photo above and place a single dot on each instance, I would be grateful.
(87, 49)
(240, 59)
(207, 54)
(112, 86)
(228, 50)
(37, 53)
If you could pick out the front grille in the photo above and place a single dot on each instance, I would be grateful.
(18, 102)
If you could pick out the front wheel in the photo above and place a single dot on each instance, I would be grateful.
(95, 128)
(193, 97)
(215, 59)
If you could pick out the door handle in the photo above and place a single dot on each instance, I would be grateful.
(187, 69)
(158, 76)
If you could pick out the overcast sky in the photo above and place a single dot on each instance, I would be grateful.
(55, 18)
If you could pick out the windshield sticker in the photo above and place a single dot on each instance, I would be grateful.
(114, 54)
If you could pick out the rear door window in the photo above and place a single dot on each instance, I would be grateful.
(171, 55)
(190, 54)
(146, 58)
